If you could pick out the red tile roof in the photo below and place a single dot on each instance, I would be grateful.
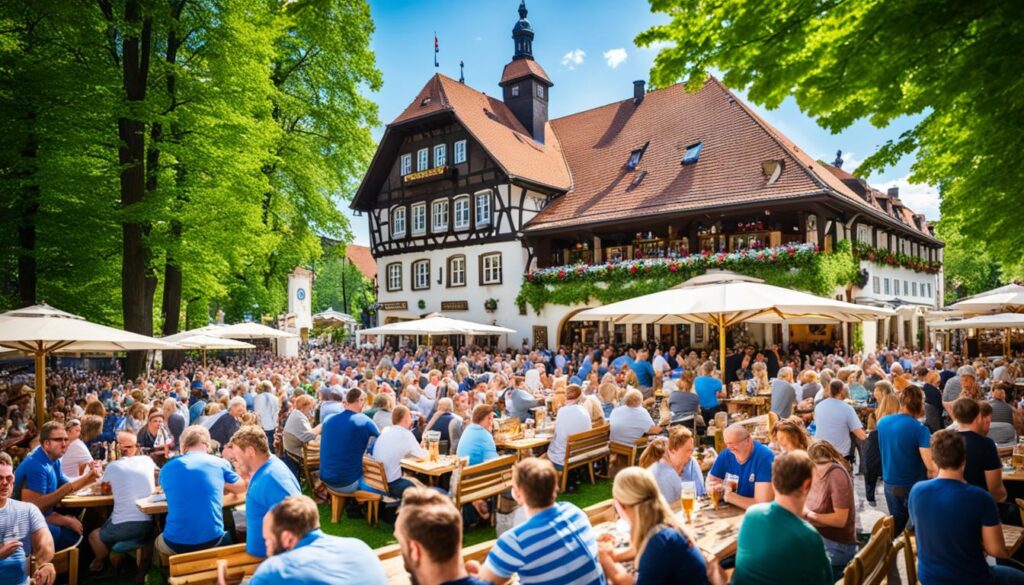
(598, 142)
(520, 68)
(494, 126)
(361, 257)
(905, 214)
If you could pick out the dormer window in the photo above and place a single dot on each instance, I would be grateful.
(540, 91)
(515, 91)
(692, 153)
(406, 164)
(635, 156)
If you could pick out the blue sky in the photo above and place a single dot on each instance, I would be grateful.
(587, 48)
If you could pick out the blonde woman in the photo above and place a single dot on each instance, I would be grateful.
(663, 549)
(789, 434)
(670, 460)
(761, 382)
(609, 395)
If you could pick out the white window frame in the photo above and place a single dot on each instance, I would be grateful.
(440, 155)
(406, 165)
(876, 285)
(458, 217)
(454, 262)
(490, 268)
(478, 220)
(422, 159)
(913, 288)
(398, 218)
(864, 233)
(459, 156)
(906, 288)
(419, 219)
(515, 91)
(421, 275)
(887, 288)
(540, 90)
(439, 215)
(394, 276)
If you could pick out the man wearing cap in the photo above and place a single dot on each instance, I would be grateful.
(965, 381)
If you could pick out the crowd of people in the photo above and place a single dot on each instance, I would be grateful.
(928, 425)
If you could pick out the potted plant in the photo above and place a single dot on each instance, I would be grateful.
(491, 305)
(421, 304)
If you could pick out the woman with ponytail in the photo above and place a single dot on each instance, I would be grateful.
(664, 549)
(830, 505)
(670, 460)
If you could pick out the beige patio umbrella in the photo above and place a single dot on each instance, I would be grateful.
(40, 330)
(1004, 321)
(249, 331)
(722, 299)
(204, 342)
(1005, 299)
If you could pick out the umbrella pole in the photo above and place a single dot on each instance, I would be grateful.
(721, 346)
(40, 388)
(1006, 343)
(204, 359)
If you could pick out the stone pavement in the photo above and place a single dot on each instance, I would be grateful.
(867, 515)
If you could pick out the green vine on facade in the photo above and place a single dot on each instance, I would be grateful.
(804, 269)
(865, 251)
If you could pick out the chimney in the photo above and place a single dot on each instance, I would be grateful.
(894, 192)
(838, 163)
(638, 91)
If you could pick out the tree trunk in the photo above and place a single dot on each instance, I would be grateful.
(131, 153)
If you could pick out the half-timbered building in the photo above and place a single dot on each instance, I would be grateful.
(469, 193)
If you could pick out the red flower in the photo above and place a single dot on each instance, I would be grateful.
(673, 268)
(632, 269)
(792, 252)
(530, 277)
(561, 274)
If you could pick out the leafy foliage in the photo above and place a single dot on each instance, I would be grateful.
(255, 129)
(957, 64)
(809, 270)
(969, 268)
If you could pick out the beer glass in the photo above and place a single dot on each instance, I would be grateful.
(687, 498)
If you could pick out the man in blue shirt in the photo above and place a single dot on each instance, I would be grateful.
(344, 439)
(906, 456)
(40, 481)
(194, 484)
(956, 523)
(301, 554)
(708, 389)
(477, 442)
(429, 533)
(644, 372)
(270, 481)
(750, 464)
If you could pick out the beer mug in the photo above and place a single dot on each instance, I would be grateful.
(687, 497)
(433, 444)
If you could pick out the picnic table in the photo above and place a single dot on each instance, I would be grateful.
(524, 447)
(717, 531)
(749, 406)
(432, 469)
(154, 507)
(87, 497)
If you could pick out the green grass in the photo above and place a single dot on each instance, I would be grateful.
(383, 535)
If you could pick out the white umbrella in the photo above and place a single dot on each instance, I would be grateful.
(41, 330)
(204, 342)
(1004, 321)
(1005, 299)
(332, 315)
(249, 331)
(436, 324)
(723, 299)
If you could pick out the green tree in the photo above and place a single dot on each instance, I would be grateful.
(957, 63)
(968, 268)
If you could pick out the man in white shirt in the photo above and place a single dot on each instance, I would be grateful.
(393, 444)
(660, 364)
(131, 477)
(267, 405)
(430, 390)
(532, 377)
(630, 421)
(572, 418)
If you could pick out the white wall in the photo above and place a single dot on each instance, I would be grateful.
(893, 273)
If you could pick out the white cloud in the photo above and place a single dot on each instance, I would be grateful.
(573, 58)
(615, 57)
(917, 196)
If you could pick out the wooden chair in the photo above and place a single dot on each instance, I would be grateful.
(388, 552)
(600, 513)
(373, 475)
(871, 565)
(631, 453)
(200, 568)
(482, 481)
(585, 449)
(64, 561)
(310, 464)
(904, 543)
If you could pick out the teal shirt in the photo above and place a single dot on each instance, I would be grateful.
(777, 547)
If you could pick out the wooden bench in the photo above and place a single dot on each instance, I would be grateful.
(601, 512)
(631, 453)
(871, 565)
(310, 464)
(585, 449)
(482, 481)
(64, 561)
(200, 567)
(373, 476)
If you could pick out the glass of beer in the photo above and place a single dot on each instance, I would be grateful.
(433, 445)
(1018, 456)
(687, 498)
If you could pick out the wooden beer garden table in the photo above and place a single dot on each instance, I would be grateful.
(433, 470)
(523, 447)
(154, 508)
